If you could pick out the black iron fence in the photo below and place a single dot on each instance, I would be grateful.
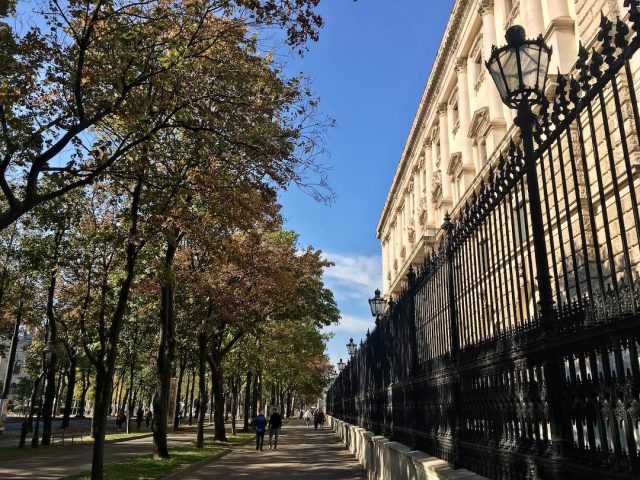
(467, 365)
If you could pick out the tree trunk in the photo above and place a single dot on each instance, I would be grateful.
(34, 400)
(254, 396)
(289, 405)
(50, 391)
(107, 369)
(71, 386)
(234, 405)
(186, 394)
(12, 352)
(59, 388)
(166, 349)
(218, 393)
(130, 396)
(86, 383)
(193, 384)
(104, 384)
(202, 386)
(176, 413)
(247, 402)
(211, 399)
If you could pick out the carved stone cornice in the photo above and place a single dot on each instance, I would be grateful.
(461, 11)
(486, 7)
(455, 165)
(461, 65)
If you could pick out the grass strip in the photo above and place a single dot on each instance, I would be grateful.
(145, 467)
(13, 452)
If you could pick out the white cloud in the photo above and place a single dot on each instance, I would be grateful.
(354, 277)
(352, 324)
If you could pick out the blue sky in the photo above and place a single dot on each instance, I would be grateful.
(369, 69)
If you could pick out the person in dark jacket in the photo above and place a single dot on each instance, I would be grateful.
(260, 424)
(139, 417)
(275, 424)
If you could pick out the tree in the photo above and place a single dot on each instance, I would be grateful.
(93, 65)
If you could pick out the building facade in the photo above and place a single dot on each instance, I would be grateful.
(461, 126)
(19, 372)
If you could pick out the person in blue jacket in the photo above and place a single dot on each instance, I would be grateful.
(260, 424)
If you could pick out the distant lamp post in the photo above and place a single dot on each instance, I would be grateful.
(351, 348)
(377, 305)
(341, 365)
(47, 353)
(519, 70)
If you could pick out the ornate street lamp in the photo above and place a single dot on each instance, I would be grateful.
(377, 304)
(519, 70)
(351, 348)
(341, 365)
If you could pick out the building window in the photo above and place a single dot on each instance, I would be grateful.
(477, 67)
(455, 116)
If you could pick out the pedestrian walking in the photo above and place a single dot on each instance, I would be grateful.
(275, 424)
(148, 417)
(316, 419)
(121, 419)
(139, 417)
(260, 424)
(321, 419)
(308, 417)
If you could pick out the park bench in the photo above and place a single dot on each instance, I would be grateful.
(69, 433)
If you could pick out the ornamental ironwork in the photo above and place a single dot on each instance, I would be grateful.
(466, 366)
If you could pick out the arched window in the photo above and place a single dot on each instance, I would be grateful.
(17, 368)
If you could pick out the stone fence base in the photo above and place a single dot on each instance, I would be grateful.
(387, 460)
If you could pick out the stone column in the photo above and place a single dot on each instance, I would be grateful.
(434, 165)
(385, 263)
(532, 17)
(496, 108)
(557, 9)
(562, 36)
(464, 114)
(443, 113)
(428, 165)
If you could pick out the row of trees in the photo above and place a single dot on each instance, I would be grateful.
(142, 146)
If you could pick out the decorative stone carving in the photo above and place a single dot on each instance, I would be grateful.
(461, 64)
(411, 231)
(486, 7)
(442, 109)
(437, 186)
(455, 165)
(479, 123)
(422, 211)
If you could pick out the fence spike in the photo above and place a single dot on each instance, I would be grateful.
(622, 32)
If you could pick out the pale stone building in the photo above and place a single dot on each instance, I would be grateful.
(461, 125)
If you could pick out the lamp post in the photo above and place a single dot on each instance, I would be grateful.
(351, 348)
(519, 70)
(377, 305)
(341, 365)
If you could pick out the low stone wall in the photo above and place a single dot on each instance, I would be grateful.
(387, 460)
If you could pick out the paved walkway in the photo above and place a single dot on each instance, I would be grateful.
(60, 463)
(303, 453)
